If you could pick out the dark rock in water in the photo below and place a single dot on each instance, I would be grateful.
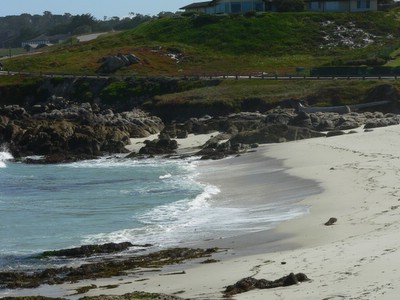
(330, 222)
(89, 250)
(250, 283)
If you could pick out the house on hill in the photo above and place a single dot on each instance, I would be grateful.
(341, 5)
(226, 6)
(243, 6)
(44, 40)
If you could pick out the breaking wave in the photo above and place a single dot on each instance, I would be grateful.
(5, 155)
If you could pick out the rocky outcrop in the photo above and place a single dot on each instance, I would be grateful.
(89, 250)
(246, 130)
(113, 63)
(65, 131)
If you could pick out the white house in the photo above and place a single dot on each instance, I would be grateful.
(341, 5)
(243, 6)
(226, 6)
(45, 40)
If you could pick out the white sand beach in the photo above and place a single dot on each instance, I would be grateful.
(356, 258)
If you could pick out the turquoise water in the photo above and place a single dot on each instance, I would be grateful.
(44, 207)
(113, 199)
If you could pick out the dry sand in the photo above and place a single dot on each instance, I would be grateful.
(357, 258)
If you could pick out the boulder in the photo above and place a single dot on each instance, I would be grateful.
(113, 63)
(159, 146)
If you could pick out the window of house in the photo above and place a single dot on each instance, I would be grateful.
(236, 7)
(247, 6)
(259, 6)
(362, 4)
(315, 5)
(220, 8)
(332, 6)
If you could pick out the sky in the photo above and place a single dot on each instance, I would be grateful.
(97, 8)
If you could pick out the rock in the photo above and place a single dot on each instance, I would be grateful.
(279, 117)
(331, 221)
(301, 120)
(14, 112)
(381, 122)
(335, 133)
(89, 250)
(111, 64)
(182, 134)
(71, 131)
(159, 146)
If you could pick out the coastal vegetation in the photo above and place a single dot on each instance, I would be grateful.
(274, 43)
(196, 44)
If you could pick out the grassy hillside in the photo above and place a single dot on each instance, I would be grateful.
(268, 42)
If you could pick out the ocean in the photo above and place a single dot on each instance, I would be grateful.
(113, 199)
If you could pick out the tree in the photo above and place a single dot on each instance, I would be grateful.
(82, 24)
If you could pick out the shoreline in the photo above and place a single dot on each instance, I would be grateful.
(351, 259)
(256, 181)
(354, 258)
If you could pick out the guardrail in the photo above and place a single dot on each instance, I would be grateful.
(205, 76)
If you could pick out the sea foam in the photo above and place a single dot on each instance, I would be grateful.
(4, 156)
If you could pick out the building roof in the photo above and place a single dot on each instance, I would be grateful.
(42, 37)
(198, 5)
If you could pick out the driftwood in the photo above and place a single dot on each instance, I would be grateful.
(342, 109)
